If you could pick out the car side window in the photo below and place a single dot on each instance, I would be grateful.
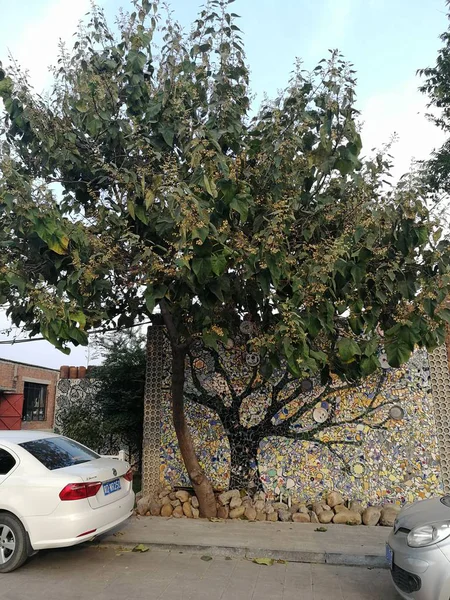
(7, 462)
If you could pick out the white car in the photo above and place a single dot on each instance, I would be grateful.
(56, 493)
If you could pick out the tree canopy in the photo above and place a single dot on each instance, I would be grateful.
(437, 87)
(144, 181)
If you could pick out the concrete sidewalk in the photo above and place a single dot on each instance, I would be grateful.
(294, 542)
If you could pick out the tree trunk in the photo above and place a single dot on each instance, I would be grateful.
(201, 484)
(244, 461)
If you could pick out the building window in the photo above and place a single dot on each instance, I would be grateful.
(34, 401)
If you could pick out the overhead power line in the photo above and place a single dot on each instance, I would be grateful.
(15, 341)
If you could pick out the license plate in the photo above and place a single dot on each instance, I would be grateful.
(389, 556)
(111, 487)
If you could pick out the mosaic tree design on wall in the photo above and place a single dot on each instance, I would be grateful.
(326, 427)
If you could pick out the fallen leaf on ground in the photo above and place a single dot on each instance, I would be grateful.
(215, 520)
(206, 558)
(321, 529)
(141, 548)
(264, 561)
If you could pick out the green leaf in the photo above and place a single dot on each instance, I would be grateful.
(218, 264)
(59, 245)
(149, 199)
(429, 306)
(152, 295)
(241, 205)
(81, 106)
(369, 365)
(344, 166)
(359, 232)
(210, 339)
(273, 262)
(264, 561)
(422, 234)
(398, 352)
(444, 313)
(130, 206)
(78, 317)
(78, 336)
(141, 548)
(141, 214)
(201, 268)
(168, 134)
(209, 186)
(348, 349)
(371, 347)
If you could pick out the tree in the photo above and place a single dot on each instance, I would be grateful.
(120, 383)
(436, 171)
(110, 418)
(171, 198)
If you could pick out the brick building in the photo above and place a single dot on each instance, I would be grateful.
(27, 395)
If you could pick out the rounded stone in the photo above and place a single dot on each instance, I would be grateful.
(250, 513)
(356, 506)
(388, 515)
(313, 517)
(223, 512)
(284, 516)
(166, 510)
(334, 498)
(347, 518)
(371, 516)
(237, 513)
(182, 496)
(187, 509)
(155, 509)
(339, 508)
(326, 516)
(301, 518)
(235, 502)
(178, 512)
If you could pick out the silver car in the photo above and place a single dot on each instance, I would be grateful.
(418, 550)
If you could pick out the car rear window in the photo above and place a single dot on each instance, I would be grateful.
(59, 452)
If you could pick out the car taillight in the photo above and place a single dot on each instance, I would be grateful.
(79, 491)
(129, 475)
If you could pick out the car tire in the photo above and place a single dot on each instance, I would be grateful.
(13, 543)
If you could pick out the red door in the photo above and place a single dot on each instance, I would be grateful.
(11, 407)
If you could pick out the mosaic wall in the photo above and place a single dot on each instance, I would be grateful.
(373, 442)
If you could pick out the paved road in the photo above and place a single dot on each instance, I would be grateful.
(96, 573)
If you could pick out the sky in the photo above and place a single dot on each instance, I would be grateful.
(386, 40)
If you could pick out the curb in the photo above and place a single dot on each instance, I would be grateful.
(374, 561)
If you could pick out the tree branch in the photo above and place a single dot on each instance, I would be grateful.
(211, 401)
(220, 369)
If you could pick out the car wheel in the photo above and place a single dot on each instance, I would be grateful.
(13, 543)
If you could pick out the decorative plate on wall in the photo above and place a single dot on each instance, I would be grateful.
(246, 327)
(320, 414)
(396, 412)
(252, 359)
(358, 469)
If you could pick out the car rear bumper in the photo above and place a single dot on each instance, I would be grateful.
(65, 528)
(419, 573)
